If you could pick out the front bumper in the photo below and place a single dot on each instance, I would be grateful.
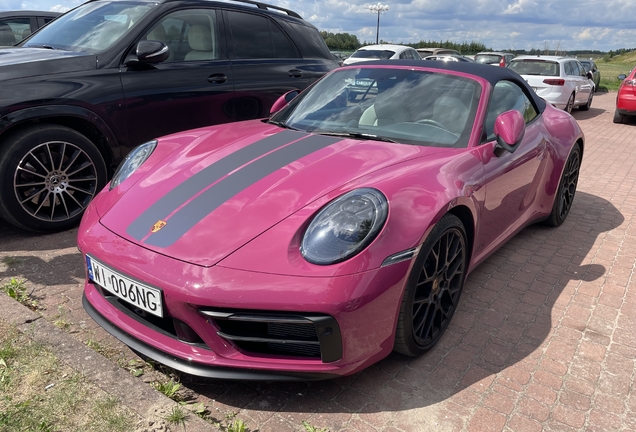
(363, 308)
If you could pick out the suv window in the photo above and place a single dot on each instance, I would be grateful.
(507, 96)
(257, 37)
(191, 35)
(580, 68)
(13, 30)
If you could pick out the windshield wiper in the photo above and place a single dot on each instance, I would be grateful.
(43, 46)
(359, 135)
(282, 124)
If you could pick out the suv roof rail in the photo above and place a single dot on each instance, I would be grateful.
(260, 6)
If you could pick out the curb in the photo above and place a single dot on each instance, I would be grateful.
(130, 391)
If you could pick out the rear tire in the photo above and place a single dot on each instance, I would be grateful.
(587, 106)
(564, 196)
(48, 175)
(618, 117)
(570, 104)
(433, 288)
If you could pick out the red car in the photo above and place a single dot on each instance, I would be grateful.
(312, 244)
(626, 97)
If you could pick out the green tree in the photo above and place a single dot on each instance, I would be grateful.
(341, 41)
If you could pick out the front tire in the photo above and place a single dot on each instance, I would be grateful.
(48, 175)
(433, 288)
(564, 196)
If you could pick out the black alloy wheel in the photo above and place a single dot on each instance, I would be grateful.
(564, 196)
(434, 288)
(50, 174)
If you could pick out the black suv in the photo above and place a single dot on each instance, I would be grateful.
(109, 75)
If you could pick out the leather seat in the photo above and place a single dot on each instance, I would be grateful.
(7, 37)
(387, 109)
(200, 40)
(450, 112)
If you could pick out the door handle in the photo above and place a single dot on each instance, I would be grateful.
(295, 73)
(217, 78)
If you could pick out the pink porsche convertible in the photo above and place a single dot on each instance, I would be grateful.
(312, 244)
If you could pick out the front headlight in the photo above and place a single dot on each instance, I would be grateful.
(345, 227)
(133, 161)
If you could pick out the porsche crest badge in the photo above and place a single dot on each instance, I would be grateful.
(158, 225)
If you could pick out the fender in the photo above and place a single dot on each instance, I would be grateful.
(16, 117)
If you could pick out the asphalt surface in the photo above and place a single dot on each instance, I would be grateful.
(544, 338)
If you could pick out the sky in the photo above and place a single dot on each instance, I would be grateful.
(501, 24)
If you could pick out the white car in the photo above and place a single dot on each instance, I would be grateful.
(382, 52)
(561, 81)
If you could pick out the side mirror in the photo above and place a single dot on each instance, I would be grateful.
(509, 130)
(622, 77)
(282, 101)
(590, 75)
(149, 51)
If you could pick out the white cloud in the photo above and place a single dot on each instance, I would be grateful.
(59, 8)
(577, 24)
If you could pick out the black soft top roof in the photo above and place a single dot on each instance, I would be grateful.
(493, 74)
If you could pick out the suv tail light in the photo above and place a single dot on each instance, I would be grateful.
(631, 82)
(502, 62)
(554, 82)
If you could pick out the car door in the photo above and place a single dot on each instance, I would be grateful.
(265, 63)
(580, 84)
(192, 88)
(511, 179)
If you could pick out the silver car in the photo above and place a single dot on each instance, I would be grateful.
(561, 81)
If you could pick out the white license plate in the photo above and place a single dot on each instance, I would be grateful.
(364, 82)
(140, 295)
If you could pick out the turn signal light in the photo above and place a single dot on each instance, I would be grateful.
(555, 82)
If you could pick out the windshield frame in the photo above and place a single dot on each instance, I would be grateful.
(463, 140)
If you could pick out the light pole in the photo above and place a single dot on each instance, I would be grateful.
(379, 8)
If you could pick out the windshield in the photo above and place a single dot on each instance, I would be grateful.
(92, 27)
(375, 54)
(401, 105)
(535, 67)
(587, 65)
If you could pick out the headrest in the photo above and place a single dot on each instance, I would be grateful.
(200, 38)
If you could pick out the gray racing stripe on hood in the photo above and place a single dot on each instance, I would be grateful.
(208, 201)
(181, 194)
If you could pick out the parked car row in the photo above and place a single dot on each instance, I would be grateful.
(264, 249)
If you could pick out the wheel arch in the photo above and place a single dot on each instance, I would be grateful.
(465, 215)
(79, 119)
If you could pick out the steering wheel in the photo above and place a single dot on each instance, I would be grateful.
(432, 123)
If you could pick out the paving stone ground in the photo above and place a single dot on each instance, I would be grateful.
(544, 338)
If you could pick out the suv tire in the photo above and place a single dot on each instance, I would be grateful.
(48, 175)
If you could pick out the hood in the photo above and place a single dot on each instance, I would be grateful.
(228, 186)
(27, 62)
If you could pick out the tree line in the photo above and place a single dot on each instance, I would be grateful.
(350, 42)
